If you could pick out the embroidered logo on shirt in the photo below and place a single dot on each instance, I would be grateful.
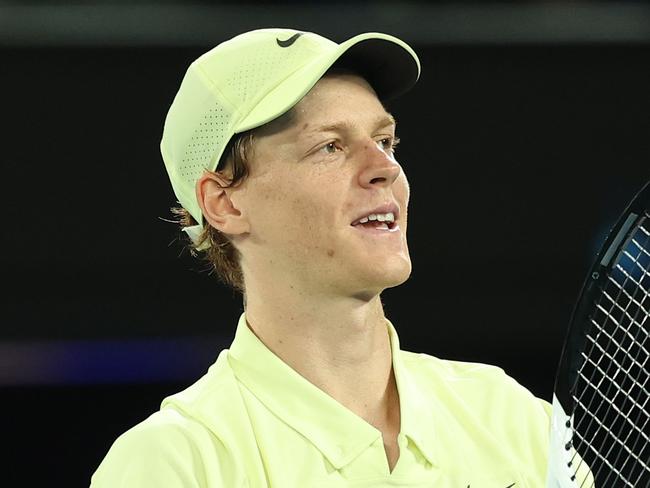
(509, 486)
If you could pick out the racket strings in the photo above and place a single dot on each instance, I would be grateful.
(637, 390)
(622, 444)
(588, 355)
(605, 373)
(610, 392)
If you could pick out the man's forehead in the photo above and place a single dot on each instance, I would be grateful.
(317, 112)
(334, 85)
(382, 120)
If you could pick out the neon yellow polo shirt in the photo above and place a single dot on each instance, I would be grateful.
(252, 421)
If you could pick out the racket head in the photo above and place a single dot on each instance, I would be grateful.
(600, 402)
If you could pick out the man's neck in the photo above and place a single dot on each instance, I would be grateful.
(341, 346)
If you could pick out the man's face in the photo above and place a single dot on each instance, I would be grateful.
(311, 181)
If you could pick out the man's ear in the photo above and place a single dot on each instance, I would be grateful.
(213, 196)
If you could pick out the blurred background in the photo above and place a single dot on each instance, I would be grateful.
(525, 137)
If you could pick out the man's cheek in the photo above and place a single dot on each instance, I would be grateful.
(402, 190)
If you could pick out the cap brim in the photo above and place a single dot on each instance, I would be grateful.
(387, 63)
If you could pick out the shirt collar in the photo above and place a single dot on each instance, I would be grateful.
(336, 431)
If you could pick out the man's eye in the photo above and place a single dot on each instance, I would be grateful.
(330, 147)
(389, 143)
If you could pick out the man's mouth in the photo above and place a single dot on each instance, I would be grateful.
(385, 221)
(377, 221)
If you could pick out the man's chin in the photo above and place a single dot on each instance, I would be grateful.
(378, 282)
(398, 278)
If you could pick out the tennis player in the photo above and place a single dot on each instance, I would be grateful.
(282, 156)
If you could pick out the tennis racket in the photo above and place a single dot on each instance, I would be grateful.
(600, 426)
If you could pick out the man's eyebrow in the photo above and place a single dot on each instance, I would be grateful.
(382, 121)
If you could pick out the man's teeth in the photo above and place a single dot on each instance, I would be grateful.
(387, 217)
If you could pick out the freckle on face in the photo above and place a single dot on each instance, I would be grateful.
(330, 253)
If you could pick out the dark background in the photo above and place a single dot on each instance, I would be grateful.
(525, 137)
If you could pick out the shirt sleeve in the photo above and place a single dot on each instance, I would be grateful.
(165, 452)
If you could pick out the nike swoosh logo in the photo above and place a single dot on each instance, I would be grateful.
(290, 41)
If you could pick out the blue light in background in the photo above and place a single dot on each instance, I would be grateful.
(107, 361)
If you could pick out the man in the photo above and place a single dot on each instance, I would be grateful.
(282, 156)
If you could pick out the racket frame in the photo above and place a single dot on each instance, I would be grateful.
(561, 466)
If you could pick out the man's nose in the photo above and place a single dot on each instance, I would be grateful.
(379, 167)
